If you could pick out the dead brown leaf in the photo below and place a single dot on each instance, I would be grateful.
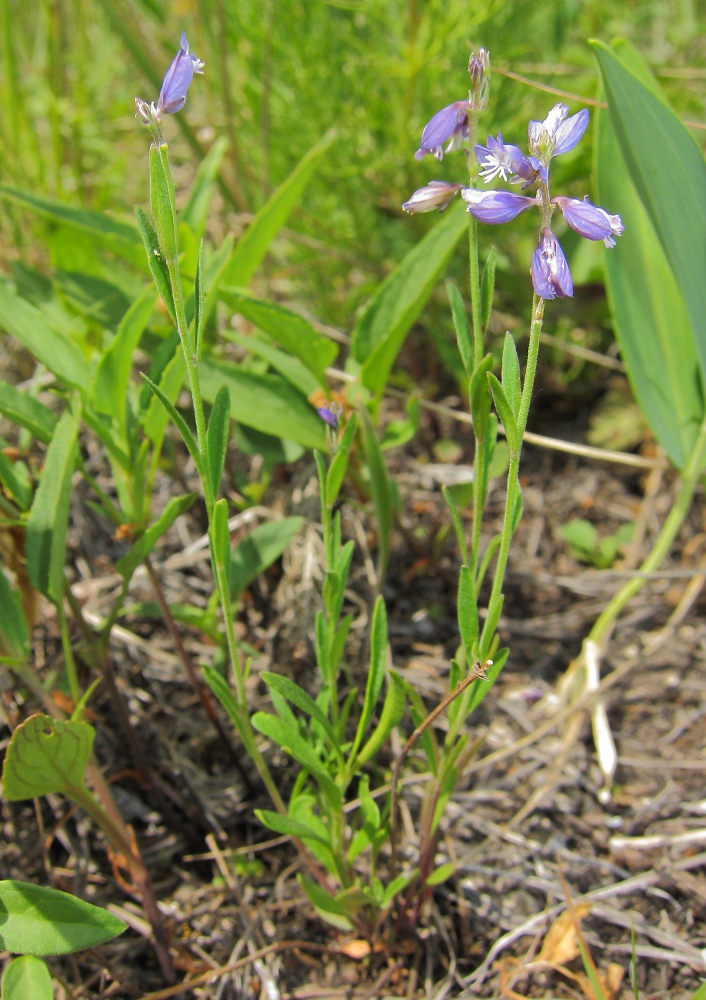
(355, 949)
(560, 945)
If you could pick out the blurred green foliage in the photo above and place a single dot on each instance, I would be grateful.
(279, 74)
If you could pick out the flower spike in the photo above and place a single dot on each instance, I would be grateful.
(175, 85)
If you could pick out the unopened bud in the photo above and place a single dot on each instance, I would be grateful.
(479, 70)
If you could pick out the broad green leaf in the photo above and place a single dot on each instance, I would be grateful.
(293, 370)
(326, 906)
(195, 212)
(49, 515)
(507, 417)
(381, 490)
(44, 342)
(669, 174)
(290, 827)
(392, 712)
(155, 260)
(255, 242)
(46, 755)
(217, 437)
(96, 224)
(463, 330)
(27, 412)
(294, 333)
(298, 696)
(467, 611)
(258, 550)
(179, 422)
(651, 322)
(266, 402)
(381, 329)
(39, 921)
(293, 743)
(113, 372)
(512, 386)
(26, 978)
(144, 545)
(14, 638)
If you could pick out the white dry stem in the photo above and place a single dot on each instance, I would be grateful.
(602, 735)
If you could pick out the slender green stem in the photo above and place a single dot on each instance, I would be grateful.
(71, 670)
(675, 519)
(474, 269)
(513, 493)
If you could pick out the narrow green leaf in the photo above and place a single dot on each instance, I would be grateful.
(487, 288)
(376, 672)
(298, 696)
(221, 536)
(39, 921)
(199, 297)
(155, 261)
(46, 755)
(463, 330)
(217, 437)
(382, 327)
(671, 185)
(507, 417)
(512, 387)
(195, 212)
(177, 506)
(480, 396)
(15, 479)
(440, 874)
(397, 885)
(381, 491)
(255, 242)
(266, 402)
(27, 412)
(258, 550)
(289, 827)
(294, 333)
(392, 712)
(467, 611)
(457, 522)
(49, 516)
(296, 746)
(221, 689)
(26, 978)
(14, 638)
(291, 368)
(179, 422)
(162, 201)
(339, 462)
(480, 688)
(325, 905)
(46, 343)
(113, 373)
(95, 224)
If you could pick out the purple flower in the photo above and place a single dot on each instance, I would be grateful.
(495, 206)
(328, 416)
(436, 194)
(550, 271)
(451, 123)
(589, 221)
(479, 72)
(556, 134)
(500, 159)
(177, 80)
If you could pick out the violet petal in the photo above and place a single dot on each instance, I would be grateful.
(590, 221)
(551, 276)
(495, 206)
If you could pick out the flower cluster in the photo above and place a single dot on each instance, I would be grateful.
(175, 85)
(555, 135)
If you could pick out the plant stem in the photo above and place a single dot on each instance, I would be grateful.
(69, 660)
(513, 486)
(675, 519)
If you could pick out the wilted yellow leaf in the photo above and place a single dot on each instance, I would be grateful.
(355, 949)
(560, 944)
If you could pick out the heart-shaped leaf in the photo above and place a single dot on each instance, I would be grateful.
(46, 755)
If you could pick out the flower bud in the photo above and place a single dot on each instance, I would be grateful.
(479, 71)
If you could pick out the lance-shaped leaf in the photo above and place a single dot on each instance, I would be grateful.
(180, 424)
(293, 743)
(381, 490)
(388, 317)
(144, 545)
(392, 712)
(39, 921)
(14, 638)
(512, 386)
(505, 413)
(217, 437)
(651, 321)
(27, 412)
(155, 261)
(376, 672)
(668, 171)
(255, 242)
(299, 697)
(195, 212)
(26, 977)
(44, 342)
(327, 907)
(463, 330)
(46, 755)
(49, 516)
(467, 611)
(258, 550)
